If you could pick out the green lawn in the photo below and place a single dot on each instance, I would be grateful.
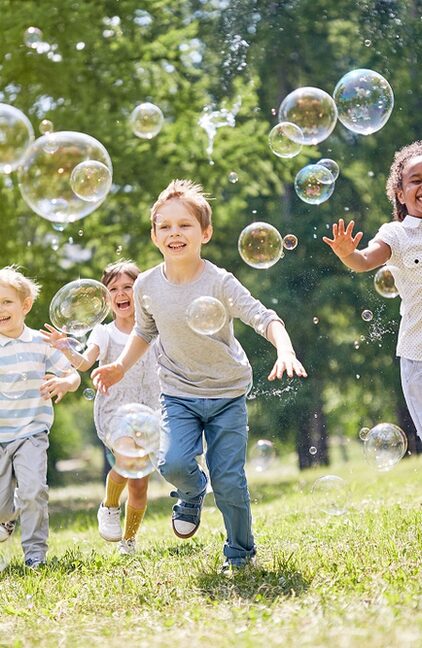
(321, 580)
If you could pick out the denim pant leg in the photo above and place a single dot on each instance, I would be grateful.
(226, 436)
(180, 443)
(30, 466)
(411, 380)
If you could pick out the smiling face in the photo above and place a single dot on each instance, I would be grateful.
(411, 191)
(121, 291)
(177, 232)
(12, 311)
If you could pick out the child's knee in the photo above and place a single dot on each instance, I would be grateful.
(172, 468)
(34, 495)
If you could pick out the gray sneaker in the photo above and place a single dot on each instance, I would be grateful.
(6, 530)
(34, 563)
(127, 547)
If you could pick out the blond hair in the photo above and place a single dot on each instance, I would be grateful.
(25, 287)
(191, 195)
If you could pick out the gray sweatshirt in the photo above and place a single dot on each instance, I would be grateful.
(193, 365)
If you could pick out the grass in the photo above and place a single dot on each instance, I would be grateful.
(348, 580)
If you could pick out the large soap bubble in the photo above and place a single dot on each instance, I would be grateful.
(134, 438)
(330, 494)
(364, 101)
(16, 134)
(313, 110)
(206, 315)
(285, 140)
(314, 184)
(79, 305)
(384, 283)
(384, 446)
(146, 120)
(260, 245)
(262, 455)
(44, 177)
(91, 180)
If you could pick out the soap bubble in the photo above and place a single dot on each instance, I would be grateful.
(384, 283)
(89, 394)
(312, 110)
(330, 494)
(290, 241)
(206, 315)
(134, 438)
(32, 37)
(233, 177)
(363, 433)
(312, 450)
(262, 455)
(46, 127)
(384, 446)
(364, 101)
(44, 177)
(16, 134)
(91, 180)
(260, 245)
(331, 165)
(314, 184)
(146, 120)
(79, 305)
(13, 383)
(73, 348)
(285, 140)
(367, 315)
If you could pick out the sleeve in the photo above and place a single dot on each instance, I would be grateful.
(99, 336)
(387, 234)
(56, 362)
(240, 304)
(145, 326)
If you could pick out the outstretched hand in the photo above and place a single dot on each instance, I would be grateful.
(107, 375)
(289, 364)
(53, 337)
(343, 242)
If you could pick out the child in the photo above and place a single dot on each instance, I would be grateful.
(26, 415)
(105, 344)
(203, 378)
(400, 244)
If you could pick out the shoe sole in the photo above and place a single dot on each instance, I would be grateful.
(110, 539)
(185, 536)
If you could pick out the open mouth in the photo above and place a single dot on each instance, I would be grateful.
(177, 246)
(124, 305)
(4, 319)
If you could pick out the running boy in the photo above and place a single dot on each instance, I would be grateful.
(26, 415)
(203, 378)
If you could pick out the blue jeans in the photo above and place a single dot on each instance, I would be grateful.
(224, 423)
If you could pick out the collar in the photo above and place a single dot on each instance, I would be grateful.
(25, 336)
(411, 221)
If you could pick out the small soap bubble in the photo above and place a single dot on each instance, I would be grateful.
(260, 245)
(262, 455)
(331, 165)
(312, 450)
(206, 315)
(367, 43)
(146, 120)
(314, 184)
(233, 177)
(384, 446)
(46, 127)
(285, 140)
(290, 241)
(363, 433)
(331, 494)
(80, 232)
(119, 250)
(55, 243)
(33, 37)
(89, 394)
(367, 315)
(315, 320)
(364, 101)
(384, 283)
(91, 180)
(356, 345)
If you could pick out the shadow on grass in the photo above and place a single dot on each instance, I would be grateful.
(256, 583)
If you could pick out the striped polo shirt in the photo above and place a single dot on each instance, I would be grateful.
(24, 361)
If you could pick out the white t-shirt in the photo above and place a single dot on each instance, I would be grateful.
(405, 263)
(100, 337)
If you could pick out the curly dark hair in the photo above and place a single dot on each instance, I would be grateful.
(394, 180)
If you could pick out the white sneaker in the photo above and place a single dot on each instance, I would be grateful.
(6, 530)
(127, 547)
(109, 523)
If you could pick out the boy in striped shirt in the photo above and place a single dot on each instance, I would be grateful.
(31, 374)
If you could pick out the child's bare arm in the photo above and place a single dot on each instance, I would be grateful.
(286, 357)
(54, 386)
(344, 244)
(107, 375)
(57, 339)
